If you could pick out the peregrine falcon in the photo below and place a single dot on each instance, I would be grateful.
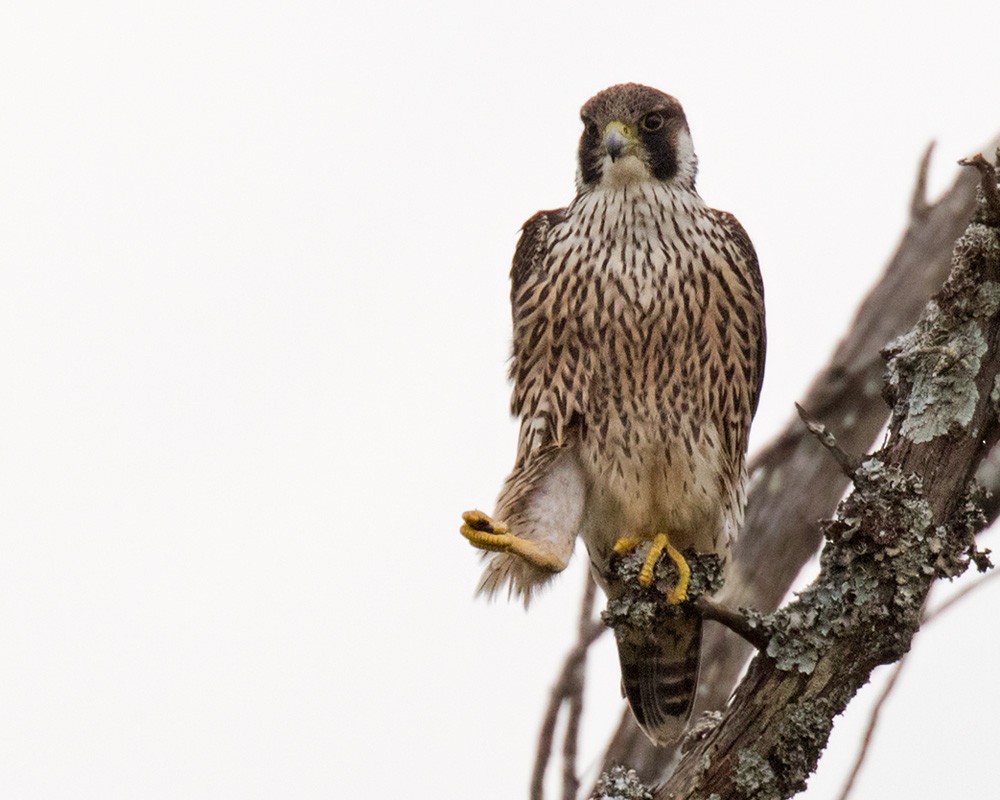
(638, 355)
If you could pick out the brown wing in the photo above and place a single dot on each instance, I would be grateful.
(749, 273)
(542, 368)
(547, 358)
(532, 247)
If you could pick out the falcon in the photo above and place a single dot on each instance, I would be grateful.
(638, 355)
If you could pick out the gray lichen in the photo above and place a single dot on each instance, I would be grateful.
(944, 393)
(940, 366)
(965, 525)
(938, 361)
(881, 525)
(755, 779)
(801, 738)
(619, 783)
(884, 548)
(979, 241)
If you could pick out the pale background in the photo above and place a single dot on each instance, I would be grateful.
(253, 333)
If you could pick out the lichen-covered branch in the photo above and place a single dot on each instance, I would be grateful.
(890, 684)
(794, 481)
(912, 518)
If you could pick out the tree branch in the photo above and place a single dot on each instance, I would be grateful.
(910, 520)
(793, 481)
(733, 620)
(919, 207)
(849, 466)
(568, 689)
(571, 783)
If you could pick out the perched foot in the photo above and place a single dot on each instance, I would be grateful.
(660, 543)
(484, 532)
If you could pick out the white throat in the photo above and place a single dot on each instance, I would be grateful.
(626, 171)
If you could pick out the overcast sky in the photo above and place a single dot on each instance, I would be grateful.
(253, 334)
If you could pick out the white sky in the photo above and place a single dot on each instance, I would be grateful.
(253, 336)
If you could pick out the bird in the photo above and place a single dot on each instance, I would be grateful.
(637, 364)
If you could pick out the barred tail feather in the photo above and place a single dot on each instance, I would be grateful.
(660, 675)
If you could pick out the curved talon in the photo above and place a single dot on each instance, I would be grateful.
(627, 543)
(680, 592)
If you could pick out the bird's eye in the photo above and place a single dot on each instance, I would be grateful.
(590, 126)
(652, 122)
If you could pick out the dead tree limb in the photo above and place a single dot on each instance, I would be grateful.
(849, 466)
(794, 482)
(734, 620)
(568, 690)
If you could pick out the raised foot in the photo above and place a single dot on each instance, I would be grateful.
(484, 532)
(659, 543)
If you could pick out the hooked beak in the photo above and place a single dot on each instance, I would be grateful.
(618, 140)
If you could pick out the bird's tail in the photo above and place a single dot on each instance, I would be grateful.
(660, 674)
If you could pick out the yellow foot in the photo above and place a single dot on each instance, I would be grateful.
(660, 543)
(484, 532)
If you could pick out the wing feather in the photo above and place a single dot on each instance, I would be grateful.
(751, 271)
(543, 497)
(547, 360)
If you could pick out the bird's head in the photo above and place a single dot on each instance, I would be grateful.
(634, 134)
